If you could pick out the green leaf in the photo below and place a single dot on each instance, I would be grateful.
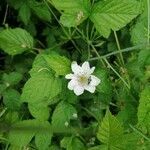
(113, 15)
(100, 147)
(104, 88)
(22, 132)
(25, 13)
(60, 64)
(73, 12)
(12, 117)
(143, 56)
(140, 29)
(3, 87)
(15, 41)
(40, 67)
(11, 99)
(54, 147)
(43, 137)
(65, 141)
(144, 107)
(72, 143)
(110, 131)
(12, 78)
(41, 88)
(134, 69)
(40, 9)
(39, 111)
(14, 147)
(16, 3)
(62, 115)
(139, 32)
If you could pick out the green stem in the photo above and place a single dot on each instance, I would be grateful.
(139, 132)
(119, 49)
(3, 112)
(97, 54)
(68, 36)
(109, 65)
(5, 16)
(90, 44)
(127, 85)
(117, 52)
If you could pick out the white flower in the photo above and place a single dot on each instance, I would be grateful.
(82, 79)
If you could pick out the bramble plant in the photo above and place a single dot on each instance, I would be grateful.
(75, 75)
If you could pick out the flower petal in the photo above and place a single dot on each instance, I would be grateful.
(90, 88)
(92, 70)
(86, 67)
(94, 81)
(76, 68)
(72, 84)
(78, 90)
(69, 76)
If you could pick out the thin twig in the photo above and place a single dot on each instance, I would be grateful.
(119, 49)
(5, 16)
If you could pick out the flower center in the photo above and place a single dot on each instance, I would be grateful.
(83, 80)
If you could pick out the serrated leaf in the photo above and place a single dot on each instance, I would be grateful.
(72, 143)
(11, 99)
(60, 64)
(41, 88)
(63, 113)
(143, 56)
(40, 67)
(54, 147)
(16, 3)
(25, 13)
(43, 138)
(113, 15)
(100, 147)
(22, 132)
(134, 69)
(144, 107)
(15, 41)
(110, 131)
(104, 88)
(39, 111)
(139, 32)
(140, 29)
(73, 12)
(12, 78)
(40, 9)
(12, 117)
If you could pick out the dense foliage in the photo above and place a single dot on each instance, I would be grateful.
(39, 39)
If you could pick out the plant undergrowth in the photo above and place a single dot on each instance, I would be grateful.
(39, 40)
